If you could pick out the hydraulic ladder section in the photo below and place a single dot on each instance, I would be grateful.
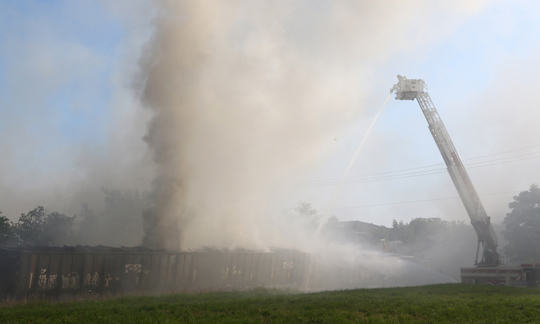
(409, 90)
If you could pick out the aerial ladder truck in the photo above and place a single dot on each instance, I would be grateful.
(487, 266)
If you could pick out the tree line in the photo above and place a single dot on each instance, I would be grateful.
(520, 229)
(435, 238)
(37, 228)
(118, 222)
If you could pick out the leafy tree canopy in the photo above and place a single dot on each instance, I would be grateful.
(39, 228)
(522, 226)
(302, 216)
(6, 231)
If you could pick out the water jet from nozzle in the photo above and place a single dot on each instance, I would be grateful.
(338, 189)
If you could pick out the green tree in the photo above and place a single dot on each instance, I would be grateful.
(38, 228)
(307, 213)
(29, 228)
(522, 226)
(58, 229)
(7, 236)
(424, 231)
(303, 216)
(333, 220)
(422, 234)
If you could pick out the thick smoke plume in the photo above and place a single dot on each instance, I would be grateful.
(235, 108)
(243, 94)
(242, 97)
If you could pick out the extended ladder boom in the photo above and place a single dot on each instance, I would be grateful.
(407, 89)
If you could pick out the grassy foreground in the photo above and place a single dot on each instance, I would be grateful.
(451, 303)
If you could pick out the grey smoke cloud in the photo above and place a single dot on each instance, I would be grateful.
(243, 94)
(242, 97)
(69, 120)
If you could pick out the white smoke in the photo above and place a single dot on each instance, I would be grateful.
(246, 93)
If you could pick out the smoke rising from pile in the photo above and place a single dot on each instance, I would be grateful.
(268, 85)
(244, 94)
(236, 107)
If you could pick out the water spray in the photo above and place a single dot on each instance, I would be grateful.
(338, 189)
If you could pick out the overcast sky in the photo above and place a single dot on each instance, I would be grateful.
(71, 122)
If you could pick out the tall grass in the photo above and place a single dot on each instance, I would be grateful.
(451, 303)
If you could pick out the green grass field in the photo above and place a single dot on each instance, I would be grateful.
(451, 303)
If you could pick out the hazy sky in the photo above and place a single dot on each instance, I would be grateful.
(71, 122)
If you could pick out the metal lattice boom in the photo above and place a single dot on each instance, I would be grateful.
(414, 89)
